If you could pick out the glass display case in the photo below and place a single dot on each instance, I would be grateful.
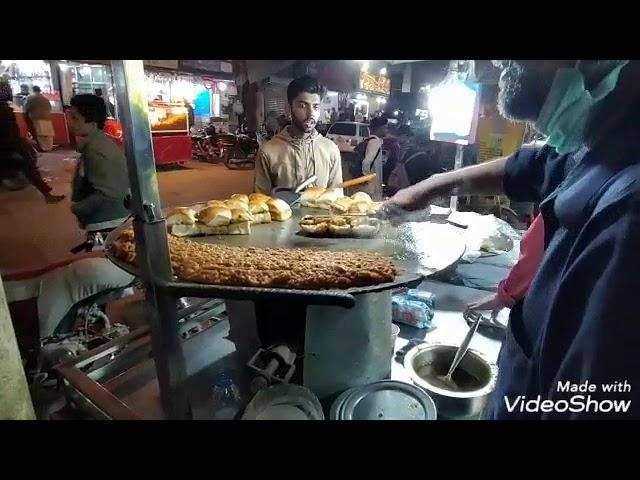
(168, 118)
(22, 75)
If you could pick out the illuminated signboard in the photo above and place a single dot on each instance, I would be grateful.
(375, 83)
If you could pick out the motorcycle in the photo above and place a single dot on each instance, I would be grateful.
(239, 151)
(205, 147)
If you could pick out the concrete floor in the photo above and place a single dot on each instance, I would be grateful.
(35, 234)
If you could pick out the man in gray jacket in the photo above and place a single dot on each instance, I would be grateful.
(299, 151)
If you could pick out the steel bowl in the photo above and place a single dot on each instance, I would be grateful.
(426, 361)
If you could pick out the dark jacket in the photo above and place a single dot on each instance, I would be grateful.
(578, 322)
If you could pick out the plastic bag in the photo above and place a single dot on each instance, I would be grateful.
(486, 234)
(414, 308)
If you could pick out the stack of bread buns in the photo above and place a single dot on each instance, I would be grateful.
(233, 216)
(359, 203)
(356, 226)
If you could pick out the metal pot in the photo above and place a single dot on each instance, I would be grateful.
(425, 361)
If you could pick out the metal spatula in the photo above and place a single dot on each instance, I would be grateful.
(398, 215)
(292, 196)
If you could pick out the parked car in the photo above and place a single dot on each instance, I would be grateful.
(348, 134)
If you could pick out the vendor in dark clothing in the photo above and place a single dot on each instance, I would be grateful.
(101, 181)
(577, 324)
(17, 155)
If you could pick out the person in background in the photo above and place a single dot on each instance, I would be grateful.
(110, 107)
(190, 115)
(17, 155)
(299, 151)
(393, 152)
(21, 97)
(326, 116)
(371, 153)
(211, 128)
(101, 181)
(37, 110)
(417, 163)
(405, 139)
(72, 137)
(334, 116)
(351, 113)
(513, 288)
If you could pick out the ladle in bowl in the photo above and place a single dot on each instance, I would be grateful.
(460, 353)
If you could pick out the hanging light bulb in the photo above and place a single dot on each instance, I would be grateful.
(452, 105)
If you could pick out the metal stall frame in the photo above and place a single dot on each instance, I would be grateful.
(81, 384)
(152, 251)
(151, 236)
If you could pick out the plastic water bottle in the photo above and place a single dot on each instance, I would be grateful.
(226, 397)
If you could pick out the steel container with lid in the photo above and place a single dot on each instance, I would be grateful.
(384, 400)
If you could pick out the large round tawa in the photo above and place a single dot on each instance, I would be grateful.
(416, 249)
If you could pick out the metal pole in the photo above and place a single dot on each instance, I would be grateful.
(152, 250)
(456, 165)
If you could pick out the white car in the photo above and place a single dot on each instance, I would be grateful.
(348, 134)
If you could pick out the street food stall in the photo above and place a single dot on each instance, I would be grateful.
(170, 132)
(22, 75)
(316, 281)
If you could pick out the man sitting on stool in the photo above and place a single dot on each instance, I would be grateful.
(101, 181)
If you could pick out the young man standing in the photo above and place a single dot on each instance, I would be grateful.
(299, 151)
(101, 180)
(37, 111)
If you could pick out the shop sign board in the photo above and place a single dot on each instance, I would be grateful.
(375, 83)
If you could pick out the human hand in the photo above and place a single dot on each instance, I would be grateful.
(492, 303)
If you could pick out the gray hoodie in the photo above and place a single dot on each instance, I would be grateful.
(285, 161)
